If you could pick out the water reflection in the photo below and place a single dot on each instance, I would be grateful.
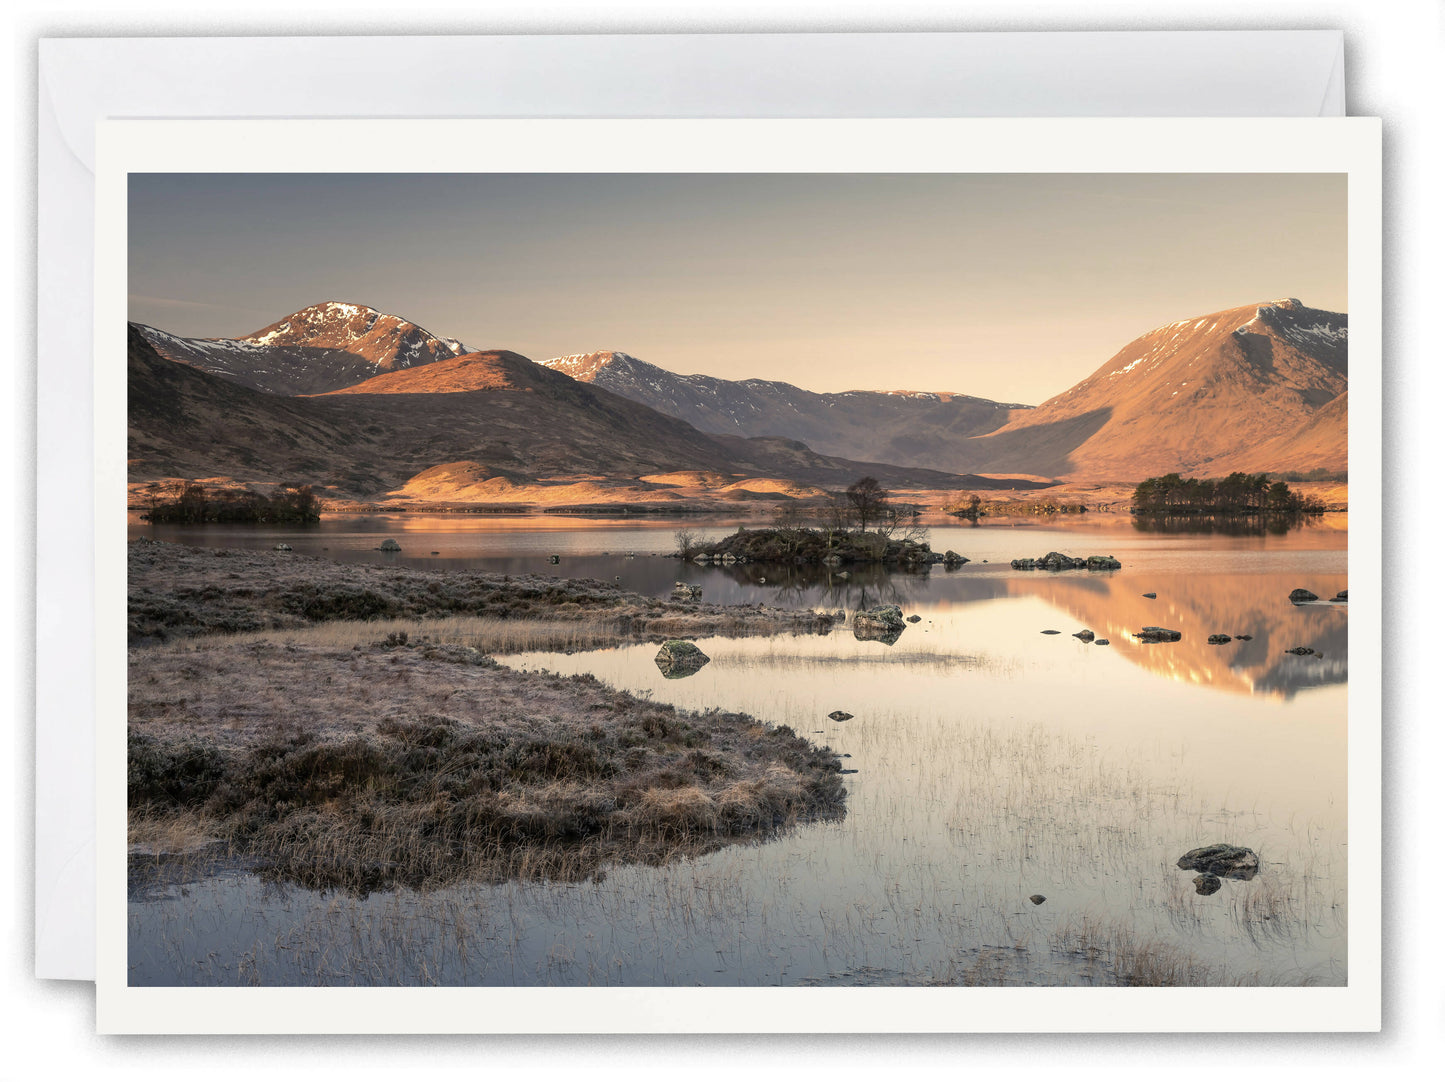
(1228, 525)
(1206, 582)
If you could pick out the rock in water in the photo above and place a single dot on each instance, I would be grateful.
(882, 624)
(678, 658)
(840, 715)
(1101, 642)
(1051, 632)
(1218, 640)
(1057, 561)
(1206, 884)
(1158, 634)
(1302, 651)
(914, 618)
(1229, 861)
(1343, 595)
(1300, 595)
(1151, 595)
(281, 546)
(389, 545)
(1037, 899)
(1084, 636)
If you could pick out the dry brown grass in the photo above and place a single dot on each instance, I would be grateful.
(407, 761)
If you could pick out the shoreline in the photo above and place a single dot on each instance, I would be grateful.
(337, 754)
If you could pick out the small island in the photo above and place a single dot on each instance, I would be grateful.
(1237, 494)
(863, 526)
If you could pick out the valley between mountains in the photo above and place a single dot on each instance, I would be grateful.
(373, 410)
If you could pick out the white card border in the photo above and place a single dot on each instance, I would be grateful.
(1334, 145)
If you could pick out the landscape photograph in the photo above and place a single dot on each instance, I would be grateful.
(737, 580)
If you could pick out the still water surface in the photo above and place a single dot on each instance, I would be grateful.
(993, 763)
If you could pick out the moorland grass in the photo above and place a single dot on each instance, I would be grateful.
(411, 762)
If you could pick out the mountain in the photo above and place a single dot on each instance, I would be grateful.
(451, 427)
(1258, 388)
(911, 428)
(317, 349)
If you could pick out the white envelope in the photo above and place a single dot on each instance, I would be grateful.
(1194, 73)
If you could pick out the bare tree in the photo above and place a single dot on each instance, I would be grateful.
(685, 538)
(868, 500)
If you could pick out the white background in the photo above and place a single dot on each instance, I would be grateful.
(1394, 53)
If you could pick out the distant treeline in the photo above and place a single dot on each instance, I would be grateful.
(196, 504)
(1237, 494)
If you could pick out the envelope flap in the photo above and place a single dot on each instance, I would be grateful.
(1153, 73)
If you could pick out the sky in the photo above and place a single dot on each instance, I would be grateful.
(1010, 287)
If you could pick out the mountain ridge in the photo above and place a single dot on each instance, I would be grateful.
(911, 428)
(371, 442)
(313, 350)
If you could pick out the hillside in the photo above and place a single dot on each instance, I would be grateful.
(488, 426)
(1257, 388)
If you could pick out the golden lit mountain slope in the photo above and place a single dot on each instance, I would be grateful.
(1247, 388)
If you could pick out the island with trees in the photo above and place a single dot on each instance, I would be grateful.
(1238, 494)
(863, 525)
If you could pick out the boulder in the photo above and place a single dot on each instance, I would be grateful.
(1037, 899)
(1084, 636)
(1302, 651)
(1343, 595)
(840, 715)
(1101, 642)
(1244, 638)
(884, 616)
(390, 545)
(1218, 640)
(1151, 595)
(1158, 634)
(882, 624)
(1206, 884)
(914, 618)
(554, 559)
(1102, 563)
(1302, 595)
(953, 559)
(678, 658)
(1050, 631)
(1229, 861)
(281, 546)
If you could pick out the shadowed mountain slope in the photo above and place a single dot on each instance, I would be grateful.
(911, 428)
